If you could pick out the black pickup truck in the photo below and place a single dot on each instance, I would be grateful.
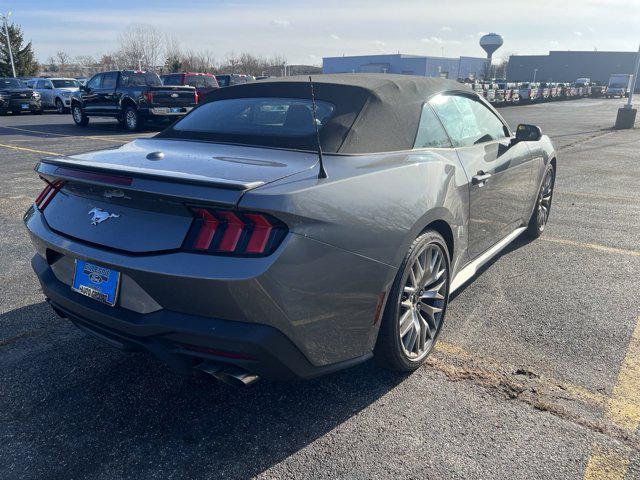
(131, 97)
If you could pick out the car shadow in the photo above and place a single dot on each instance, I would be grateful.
(83, 409)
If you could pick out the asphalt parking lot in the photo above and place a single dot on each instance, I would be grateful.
(537, 374)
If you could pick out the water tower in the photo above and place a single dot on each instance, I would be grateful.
(490, 43)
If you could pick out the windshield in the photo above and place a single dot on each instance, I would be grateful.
(65, 83)
(276, 122)
(618, 84)
(10, 83)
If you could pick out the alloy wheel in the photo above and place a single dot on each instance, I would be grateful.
(59, 106)
(77, 114)
(544, 199)
(131, 119)
(423, 301)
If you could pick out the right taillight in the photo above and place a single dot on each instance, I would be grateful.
(231, 232)
(47, 194)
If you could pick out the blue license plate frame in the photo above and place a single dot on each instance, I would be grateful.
(97, 282)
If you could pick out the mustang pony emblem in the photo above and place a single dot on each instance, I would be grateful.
(98, 215)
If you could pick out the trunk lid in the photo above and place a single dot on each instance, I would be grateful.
(122, 200)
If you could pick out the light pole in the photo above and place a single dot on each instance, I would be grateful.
(535, 70)
(627, 115)
(5, 19)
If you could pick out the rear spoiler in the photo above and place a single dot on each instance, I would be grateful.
(179, 185)
(63, 168)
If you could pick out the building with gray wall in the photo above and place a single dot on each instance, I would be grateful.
(568, 66)
(463, 67)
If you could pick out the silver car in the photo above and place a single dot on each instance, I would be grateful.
(55, 92)
(289, 228)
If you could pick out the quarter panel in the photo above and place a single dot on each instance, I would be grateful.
(372, 205)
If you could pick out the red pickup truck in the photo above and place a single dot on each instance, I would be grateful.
(204, 83)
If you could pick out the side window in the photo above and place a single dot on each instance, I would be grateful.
(488, 123)
(467, 121)
(40, 84)
(95, 82)
(109, 80)
(430, 132)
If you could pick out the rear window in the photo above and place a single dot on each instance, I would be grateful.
(223, 80)
(172, 79)
(140, 79)
(65, 83)
(201, 81)
(290, 117)
(271, 122)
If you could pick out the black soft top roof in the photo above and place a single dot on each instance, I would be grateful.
(373, 112)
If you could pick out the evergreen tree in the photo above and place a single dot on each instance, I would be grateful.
(23, 58)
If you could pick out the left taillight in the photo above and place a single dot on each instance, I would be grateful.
(148, 96)
(47, 194)
(231, 232)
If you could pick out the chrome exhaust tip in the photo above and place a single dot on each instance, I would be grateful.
(230, 375)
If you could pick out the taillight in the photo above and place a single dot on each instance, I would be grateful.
(234, 232)
(47, 194)
(148, 96)
(197, 97)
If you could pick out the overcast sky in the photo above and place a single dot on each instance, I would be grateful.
(304, 31)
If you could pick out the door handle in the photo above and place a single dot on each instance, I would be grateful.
(480, 178)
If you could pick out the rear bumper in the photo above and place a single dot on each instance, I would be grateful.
(185, 342)
(306, 310)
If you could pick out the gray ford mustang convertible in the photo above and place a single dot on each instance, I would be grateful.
(289, 228)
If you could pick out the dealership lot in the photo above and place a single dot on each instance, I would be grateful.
(537, 374)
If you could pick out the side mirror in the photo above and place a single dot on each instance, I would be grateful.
(83, 88)
(528, 133)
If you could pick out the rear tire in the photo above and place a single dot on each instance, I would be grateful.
(60, 108)
(416, 306)
(132, 119)
(542, 209)
(79, 117)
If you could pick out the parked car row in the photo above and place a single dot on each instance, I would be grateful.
(529, 92)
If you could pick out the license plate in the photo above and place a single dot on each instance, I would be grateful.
(176, 109)
(97, 282)
(25, 106)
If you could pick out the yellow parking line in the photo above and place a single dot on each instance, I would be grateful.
(624, 406)
(623, 410)
(593, 246)
(90, 137)
(31, 150)
(607, 463)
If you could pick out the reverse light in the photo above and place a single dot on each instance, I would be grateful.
(48, 193)
(234, 232)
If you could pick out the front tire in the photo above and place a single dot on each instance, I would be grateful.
(540, 215)
(79, 117)
(416, 306)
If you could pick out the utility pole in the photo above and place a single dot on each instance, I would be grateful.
(627, 115)
(535, 71)
(5, 19)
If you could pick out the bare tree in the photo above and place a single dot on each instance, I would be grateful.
(141, 46)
